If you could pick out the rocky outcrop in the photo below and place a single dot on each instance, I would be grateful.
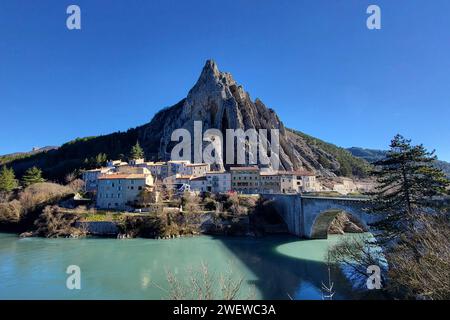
(219, 102)
(344, 224)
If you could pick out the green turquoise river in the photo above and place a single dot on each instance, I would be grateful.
(275, 267)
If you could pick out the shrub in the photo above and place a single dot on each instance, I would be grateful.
(10, 212)
(140, 226)
(54, 223)
(40, 193)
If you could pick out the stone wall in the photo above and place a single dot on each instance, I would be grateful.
(100, 228)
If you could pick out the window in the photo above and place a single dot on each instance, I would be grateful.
(140, 187)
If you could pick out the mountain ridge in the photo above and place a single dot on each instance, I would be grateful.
(373, 155)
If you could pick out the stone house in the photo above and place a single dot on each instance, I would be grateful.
(245, 179)
(269, 182)
(195, 169)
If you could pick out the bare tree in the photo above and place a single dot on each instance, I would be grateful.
(327, 289)
(419, 265)
(201, 284)
(354, 255)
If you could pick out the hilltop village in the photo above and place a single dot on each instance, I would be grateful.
(119, 184)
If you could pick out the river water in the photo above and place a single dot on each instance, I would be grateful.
(275, 267)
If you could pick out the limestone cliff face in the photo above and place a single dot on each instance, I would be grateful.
(220, 103)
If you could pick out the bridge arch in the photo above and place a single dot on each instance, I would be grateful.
(322, 222)
(310, 216)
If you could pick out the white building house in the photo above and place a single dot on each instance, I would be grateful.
(176, 167)
(115, 163)
(218, 181)
(196, 169)
(308, 181)
(118, 190)
(199, 184)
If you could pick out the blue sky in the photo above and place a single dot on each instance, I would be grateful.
(313, 61)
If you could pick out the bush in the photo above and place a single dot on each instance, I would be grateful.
(140, 226)
(40, 193)
(210, 204)
(76, 185)
(54, 223)
(10, 212)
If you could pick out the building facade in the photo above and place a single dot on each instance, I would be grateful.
(269, 182)
(118, 190)
(218, 182)
(245, 179)
(195, 169)
(90, 178)
(176, 167)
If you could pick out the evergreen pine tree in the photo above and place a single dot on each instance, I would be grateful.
(136, 151)
(407, 180)
(100, 159)
(8, 180)
(31, 176)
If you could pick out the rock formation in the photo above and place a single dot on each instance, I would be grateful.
(219, 102)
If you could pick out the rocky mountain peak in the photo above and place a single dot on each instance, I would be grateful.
(210, 70)
(219, 102)
(212, 80)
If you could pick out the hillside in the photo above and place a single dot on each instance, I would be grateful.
(372, 155)
(219, 102)
(6, 158)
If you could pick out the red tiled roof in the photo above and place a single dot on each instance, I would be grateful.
(122, 176)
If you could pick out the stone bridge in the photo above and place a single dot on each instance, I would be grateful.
(310, 217)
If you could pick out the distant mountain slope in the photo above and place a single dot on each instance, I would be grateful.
(219, 102)
(372, 155)
(20, 155)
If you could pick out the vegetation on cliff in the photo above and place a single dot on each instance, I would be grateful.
(349, 165)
